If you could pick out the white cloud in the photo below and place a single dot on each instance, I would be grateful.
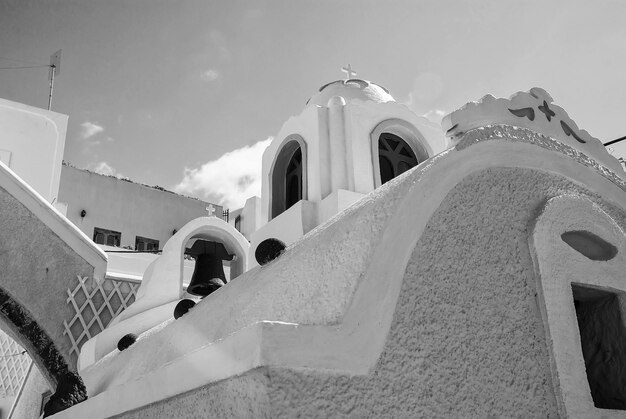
(89, 129)
(231, 179)
(425, 96)
(210, 75)
(433, 115)
(104, 168)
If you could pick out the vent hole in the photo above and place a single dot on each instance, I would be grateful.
(590, 245)
(603, 344)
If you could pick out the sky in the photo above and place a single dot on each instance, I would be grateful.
(187, 94)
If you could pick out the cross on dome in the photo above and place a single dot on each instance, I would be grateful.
(349, 72)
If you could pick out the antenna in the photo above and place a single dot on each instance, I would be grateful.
(55, 67)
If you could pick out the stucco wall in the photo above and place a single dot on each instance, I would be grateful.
(243, 397)
(37, 268)
(467, 338)
(129, 208)
(250, 216)
(487, 279)
(31, 144)
(572, 281)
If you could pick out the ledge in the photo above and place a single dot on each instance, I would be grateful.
(54, 220)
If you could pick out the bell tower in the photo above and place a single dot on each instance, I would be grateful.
(351, 138)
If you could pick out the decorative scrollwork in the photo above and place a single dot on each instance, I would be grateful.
(524, 112)
(568, 131)
(549, 113)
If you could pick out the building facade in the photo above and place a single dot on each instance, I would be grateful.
(476, 271)
(121, 213)
(481, 281)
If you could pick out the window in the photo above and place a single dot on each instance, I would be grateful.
(288, 176)
(107, 237)
(397, 146)
(582, 294)
(238, 223)
(143, 243)
(395, 156)
(293, 179)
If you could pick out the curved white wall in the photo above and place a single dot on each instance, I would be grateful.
(32, 141)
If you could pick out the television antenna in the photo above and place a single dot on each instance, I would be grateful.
(55, 68)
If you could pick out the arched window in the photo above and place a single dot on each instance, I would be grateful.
(395, 156)
(293, 179)
(288, 176)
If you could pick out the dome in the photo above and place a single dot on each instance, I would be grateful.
(351, 89)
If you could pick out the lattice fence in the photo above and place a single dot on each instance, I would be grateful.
(95, 305)
(14, 363)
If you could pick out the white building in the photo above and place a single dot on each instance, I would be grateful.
(122, 213)
(485, 282)
(472, 272)
(32, 145)
(351, 137)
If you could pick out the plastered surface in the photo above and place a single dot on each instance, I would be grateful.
(373, 239)
(534, 110)
(242, 397)
(558, 266)
(129, 208)
(37, 269)
(32, 144)
(339, 152)
(329, 267)
(467, 338)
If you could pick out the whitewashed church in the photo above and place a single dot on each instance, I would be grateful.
(390, 268)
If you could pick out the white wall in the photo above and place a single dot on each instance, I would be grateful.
(127, 207)
(339, 144)
(32, 141)
(250, 214)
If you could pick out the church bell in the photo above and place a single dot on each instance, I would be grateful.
(208, 274)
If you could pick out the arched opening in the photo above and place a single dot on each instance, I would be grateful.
(210, 236)
(69, 387)
(397, 146)
(293, 179)
(210, 258)
(395, 156)
(288, 177)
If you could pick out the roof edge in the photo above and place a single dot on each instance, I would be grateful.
(54, 220)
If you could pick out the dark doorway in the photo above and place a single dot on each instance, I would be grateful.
(603, 343)
(293, 179)
(288, 178)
